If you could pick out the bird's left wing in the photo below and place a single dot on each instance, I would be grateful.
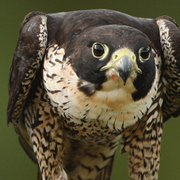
(170, 44)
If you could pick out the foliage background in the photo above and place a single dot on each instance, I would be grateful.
(14, 164)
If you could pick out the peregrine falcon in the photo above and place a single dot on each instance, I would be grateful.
(81, 80)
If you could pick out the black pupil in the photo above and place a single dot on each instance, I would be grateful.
(98, 50)
(145, 53)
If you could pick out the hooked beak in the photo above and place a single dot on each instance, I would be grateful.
(122, 64)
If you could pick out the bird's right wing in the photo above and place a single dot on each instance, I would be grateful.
(26, 63)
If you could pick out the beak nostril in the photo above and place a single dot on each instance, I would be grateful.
(133, 58)
(115, 56)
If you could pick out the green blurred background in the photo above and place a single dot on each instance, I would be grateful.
(14, 164)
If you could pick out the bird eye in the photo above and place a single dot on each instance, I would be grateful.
(144, 53)
(99, 50)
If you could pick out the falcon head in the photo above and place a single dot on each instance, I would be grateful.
(118, 54)
(106, 72)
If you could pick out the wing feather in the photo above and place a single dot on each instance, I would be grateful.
(26, 62)
(170, 43)
(24, 68)
(106, 172)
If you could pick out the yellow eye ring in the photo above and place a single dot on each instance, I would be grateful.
(144, 53)
(99, 50)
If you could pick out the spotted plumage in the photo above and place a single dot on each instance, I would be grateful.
(80, 80)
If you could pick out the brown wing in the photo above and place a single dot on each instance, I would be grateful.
(24, 68)
(170, 43)
(26, 62)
